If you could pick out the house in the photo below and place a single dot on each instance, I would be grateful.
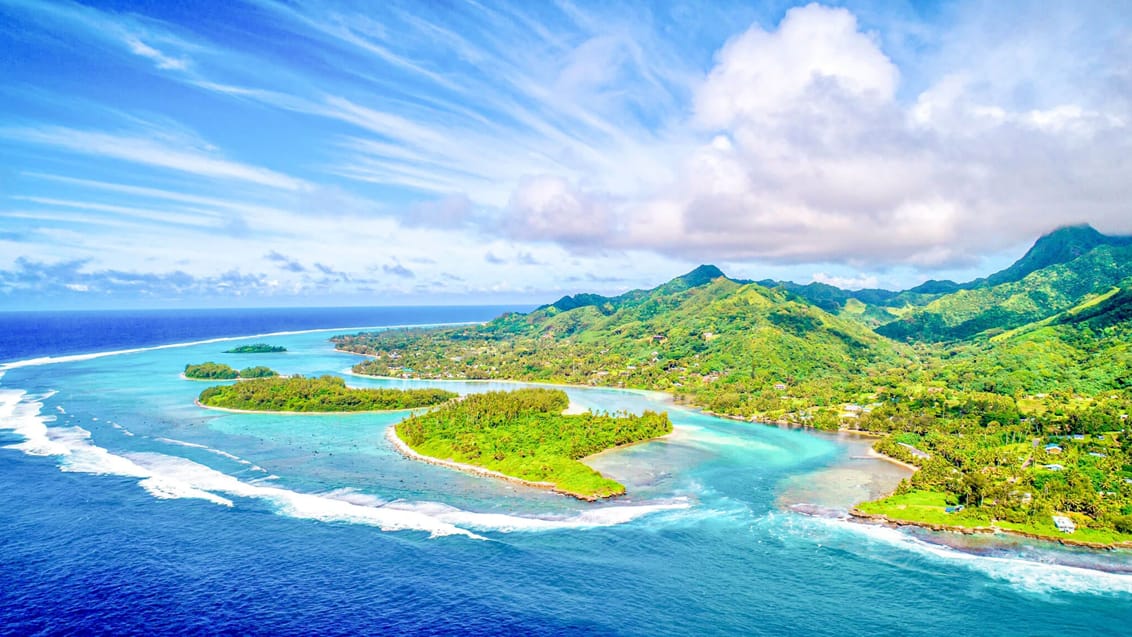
(659, 338)
(780, 386)
(1078, 436)
(1053, 467)
(1053, 447)
(1097, 455)
(954, 509)
(1064, 524)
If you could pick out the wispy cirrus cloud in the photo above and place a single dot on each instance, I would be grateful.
(135, 147)
(859, 141)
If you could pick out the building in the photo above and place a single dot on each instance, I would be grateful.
(1064, 524)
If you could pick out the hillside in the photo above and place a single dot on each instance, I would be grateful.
(1060, 246)
(1040, 294)
(718, 342)
(948, 311)
(1012, 394)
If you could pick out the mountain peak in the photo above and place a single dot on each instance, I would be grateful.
(701, 275)
(1059, 246)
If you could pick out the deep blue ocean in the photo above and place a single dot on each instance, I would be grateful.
(125, 509)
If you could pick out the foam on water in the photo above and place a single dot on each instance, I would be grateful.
(76, 452)
(1023, 574)
(503, 522)
(74, 358)
(172, 477)
(224, 454)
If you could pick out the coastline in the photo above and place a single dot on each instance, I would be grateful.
(404, 449)
(655, 393)
(861, 517)
(873, 453)
(856, 515)
(301, 413)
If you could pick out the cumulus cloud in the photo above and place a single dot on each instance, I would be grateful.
(810, 154)
(847, 282)
(547, 207)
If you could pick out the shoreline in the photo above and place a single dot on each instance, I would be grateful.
(873, 453)
(404, 449)
(855, 514)
(670, 398)
(303, 413)
(73, 358)
(860, 517)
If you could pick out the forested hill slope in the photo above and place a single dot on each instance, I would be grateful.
(945, 316)
(1085, 350)
(1060, 246)
(684, 335)
(702, 275)
(1020, 416)
(1040, 294)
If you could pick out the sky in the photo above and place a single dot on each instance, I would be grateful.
(264, 153)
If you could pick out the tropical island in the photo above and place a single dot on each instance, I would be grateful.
(256, 348)
(325, 394)
(1011, 393)
(525, 436)
(220, 371)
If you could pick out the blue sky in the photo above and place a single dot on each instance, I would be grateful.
(280, 153)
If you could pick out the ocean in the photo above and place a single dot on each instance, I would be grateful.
(126, 509)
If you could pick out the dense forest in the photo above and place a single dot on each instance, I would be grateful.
(322, 394)
(524, 434)
(220, 371)
(256, 348)
(1012, 392)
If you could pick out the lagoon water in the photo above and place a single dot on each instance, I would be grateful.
(127, 509)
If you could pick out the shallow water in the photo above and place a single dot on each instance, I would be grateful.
(128, 509)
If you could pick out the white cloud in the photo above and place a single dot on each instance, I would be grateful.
(546, 207)
(150, 151)
(163, 61)
(812, 157)
(815, 50)
(847, 282)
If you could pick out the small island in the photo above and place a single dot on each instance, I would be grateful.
(220, 371)
(524, 436)
(325, 394)
(256, 348)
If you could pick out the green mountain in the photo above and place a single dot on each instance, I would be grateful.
(1012, 398)
(1060, 246)
(945, 310)
(1042, 293)
(720, 342)
(702, 275)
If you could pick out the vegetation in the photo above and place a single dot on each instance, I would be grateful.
(323, 394)
(1011, 393)
(524, 434)
(220, 371)
(257, 348)
(211, 371)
